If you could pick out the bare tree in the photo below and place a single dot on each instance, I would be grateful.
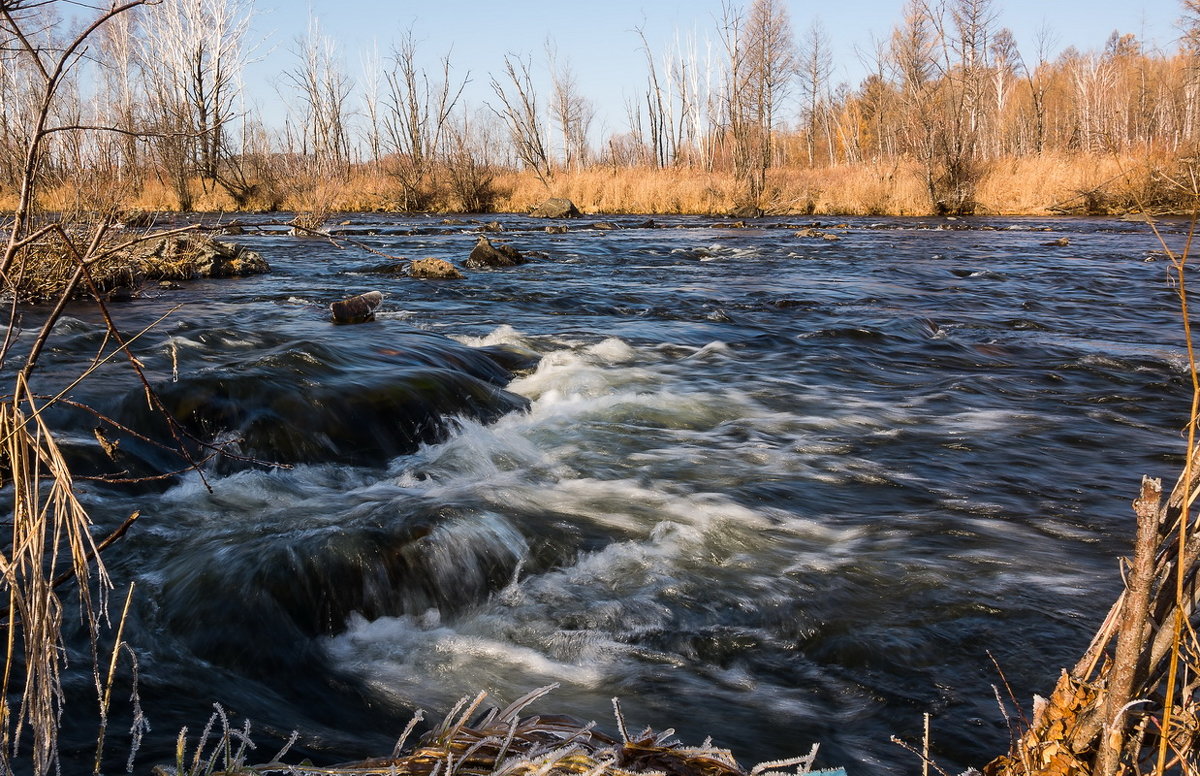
(661, 138)
(372, 83)
(470, 165)
(761, 58)
(571, 111)
(912, 54)
(519, 111)
(192, 56)
(121, 106)
(417, 110)
(815, 62)
(323, 89)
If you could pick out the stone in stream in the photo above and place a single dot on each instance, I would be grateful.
(484, 255)
(356, 309)
(189, 256)
(556, 207)
(746, 211)
(434, 269)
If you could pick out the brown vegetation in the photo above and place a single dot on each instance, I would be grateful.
(1046, 184)
(956, 117)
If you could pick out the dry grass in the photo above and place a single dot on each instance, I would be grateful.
(1033, 185)
(846, 189)
(499, 742)
(56, 265)
(50, 536)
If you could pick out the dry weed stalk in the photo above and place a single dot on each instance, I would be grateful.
(500, 742)
(49, 534)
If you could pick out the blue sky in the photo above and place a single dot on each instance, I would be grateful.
(599, 41)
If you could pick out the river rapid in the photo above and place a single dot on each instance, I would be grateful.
(775, 489)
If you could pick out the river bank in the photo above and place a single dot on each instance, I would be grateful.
(1048, 184)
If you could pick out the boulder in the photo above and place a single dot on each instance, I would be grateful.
(556, 207)
(484, 255)
(605, 226)
(434, 269)
(356, 309)
(137, 219)
(556, 230)
(190, 256)
(746, 211)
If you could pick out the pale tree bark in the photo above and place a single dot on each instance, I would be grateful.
(815, 63)
(372, 84)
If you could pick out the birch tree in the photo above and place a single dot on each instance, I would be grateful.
(192, 55)
(571, 111)
(320, 121)
(815, 63)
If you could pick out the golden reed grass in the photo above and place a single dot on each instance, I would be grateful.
(1049, 183)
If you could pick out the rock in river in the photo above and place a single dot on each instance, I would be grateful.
(190, 256)
(556, 207)
(434, 269)
(484, 254)
(356, 309)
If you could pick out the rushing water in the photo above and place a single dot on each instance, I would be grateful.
(774, 489)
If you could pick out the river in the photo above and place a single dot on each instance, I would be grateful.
(774, 489)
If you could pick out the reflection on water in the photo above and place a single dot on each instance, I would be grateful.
(770, 489)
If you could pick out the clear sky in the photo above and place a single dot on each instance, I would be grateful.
(599, 41)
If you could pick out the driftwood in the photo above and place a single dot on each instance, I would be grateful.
(1106, 716)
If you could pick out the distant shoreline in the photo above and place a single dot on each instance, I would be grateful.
(1046, 185)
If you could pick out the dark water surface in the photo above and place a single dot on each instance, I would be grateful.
(773, 489)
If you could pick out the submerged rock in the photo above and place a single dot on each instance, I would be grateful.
(484, 255)
(303, 401)
(434, 269)
(556, 207)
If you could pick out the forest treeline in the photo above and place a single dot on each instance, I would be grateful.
(956, 116)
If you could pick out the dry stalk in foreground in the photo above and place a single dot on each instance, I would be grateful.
(49, 532)
(498, 743)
